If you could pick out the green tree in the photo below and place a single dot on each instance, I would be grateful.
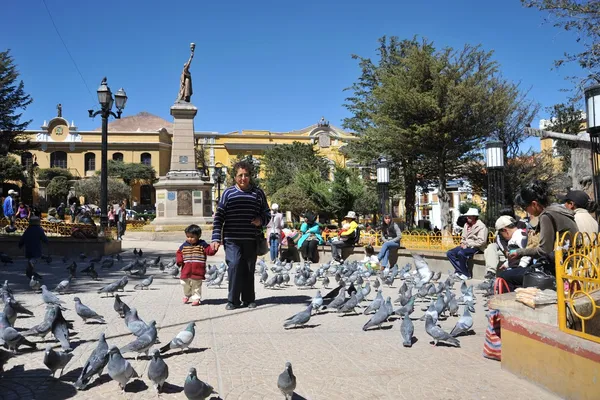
(293, 199)
(131, 172)
(581, 17)
(255, 162)
(565, 118)
(90, 189)
(13, 101)
(282, 162)
(47, 174)
(58, 190)
(10, 169)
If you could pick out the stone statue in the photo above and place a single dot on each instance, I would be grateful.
(59, 110)
(185, 83)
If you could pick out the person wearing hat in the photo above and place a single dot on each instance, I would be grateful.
(9, 207)
(474, 239)
(513, 270)
(579, 202)
(347, 237)
(274, 228)
(32, 239)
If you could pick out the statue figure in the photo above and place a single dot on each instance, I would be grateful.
(59, 110)
(185, 83)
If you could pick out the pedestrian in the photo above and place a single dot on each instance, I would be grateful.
(580, 203)
(73, 210)
(9, 208)
(111, 217)
(347, 237)
(121, 221)
(274, 226)
(32, 239)
(191, 257)
(60, 210)
(391, 235)
(474, 239)
(241, 214)
(23, 211)
(311, 238)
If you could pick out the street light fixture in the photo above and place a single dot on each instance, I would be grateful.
(592, 105)
(219, 178)
(494, 161)
(106, 100)
(383, 181)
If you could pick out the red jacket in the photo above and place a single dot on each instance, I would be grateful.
(193, 259)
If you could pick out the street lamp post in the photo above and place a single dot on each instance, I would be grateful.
(494, 160)
(106, 100)
(383, 181)
(592, 105)
(219, 178)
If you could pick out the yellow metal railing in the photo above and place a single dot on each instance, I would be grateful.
(578, 284)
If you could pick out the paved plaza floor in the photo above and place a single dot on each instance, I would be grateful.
(242, 352)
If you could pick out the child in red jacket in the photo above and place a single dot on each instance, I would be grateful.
(191, 257)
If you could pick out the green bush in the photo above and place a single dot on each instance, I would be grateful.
(47, 174)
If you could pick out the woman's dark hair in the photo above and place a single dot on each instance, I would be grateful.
(533, 191)
(384, 225)
(194, 230)
(310, 217)
(508, 211)
(369, 250)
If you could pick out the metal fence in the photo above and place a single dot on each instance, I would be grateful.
(578, 285)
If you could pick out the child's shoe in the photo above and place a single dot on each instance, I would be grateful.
(196, 303)
(186, 300)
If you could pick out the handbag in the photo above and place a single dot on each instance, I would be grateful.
(539, 279)
(262, 247)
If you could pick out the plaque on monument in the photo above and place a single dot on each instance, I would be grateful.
(184, 202)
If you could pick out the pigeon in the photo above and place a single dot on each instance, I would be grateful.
(140, 253)
(438, 334)
(407, 309)
(85, 312)
(60, 329)
(136, 325)
(140, 272)
(463, 287)
(264, 276)
(436, 276)
(143, 342)
(375, 304)
(299, 319)
(326, 282)
(50, 298)
(56, 360)
(145, 283)
(158, 371)
(376, 284)
(119, 306)
(431, 311)
(286, 382)
(12, 308)
(94, 365)
(182, 340)
(407, 329)
(44, 327)
(72, 268)
(135, 252)
(464, 323)
(119, 368)
(6, 259)
(110, 288)
(317, 301)
(337, 301)
(378, 318)
(349, 305)
(119, 258)
(122, 283)
(35, 284)
(453, 306)
(194, 388)
(90, 271)
(13, 339)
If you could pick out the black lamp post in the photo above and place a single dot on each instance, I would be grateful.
(592, 105)
(106, 100)
(219, 178)
(494, 160)
(383, 182)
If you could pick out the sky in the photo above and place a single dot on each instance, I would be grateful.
(268, 65)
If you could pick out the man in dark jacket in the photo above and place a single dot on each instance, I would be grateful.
(32, 239)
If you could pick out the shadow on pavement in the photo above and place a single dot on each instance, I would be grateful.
(187, 351)
(136, 386)
(284, 300)
(17, 384)
(169, 388)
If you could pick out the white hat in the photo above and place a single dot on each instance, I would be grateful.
(12, 192)
(274, 206)
(504, 221)
(473, 212)
(351, 215)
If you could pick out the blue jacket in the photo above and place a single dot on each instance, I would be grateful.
(8, 209)
(306, 230)
(32, 238)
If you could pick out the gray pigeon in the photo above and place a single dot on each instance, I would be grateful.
(317, 301)
(60, 329)
(119, 306)
(85, 312)
(14, 339)
(119, 368)
(432, 312)
(338, 300)
(50, 298)
(453, 306)
(182, 340)
(134, 323)
(407, 329)
(376, 284)
(349, 305)
(110, 288)
(94, 365)
(407, 309)
(158, 371)
(44, 327)
(464, 323)
(145, 283)
(63, 285)
(286, 382)
(375, 304)
(326, 282)
(143, 342)
(437, 333)
(194, 388)
(56, 360)
(12, 308)
(35, 284)
(299, 319)
(378, 318)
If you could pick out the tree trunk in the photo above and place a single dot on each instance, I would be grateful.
(444, 200)
(410, 187)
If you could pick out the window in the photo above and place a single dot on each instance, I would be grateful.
(146, 195)
(146, 159)
(27, 160)
(58, 159)
(90, 162)
(118, 157)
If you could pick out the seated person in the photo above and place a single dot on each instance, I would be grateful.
(371, 260)
(347, 237)
(474, 239)
(512, 270)
(391, 235)
(495, 253)
(52, 216)
(288, 251)
(310, 239)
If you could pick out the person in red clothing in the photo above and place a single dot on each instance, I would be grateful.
(191, 257)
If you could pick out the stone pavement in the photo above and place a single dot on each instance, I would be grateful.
(242, 352)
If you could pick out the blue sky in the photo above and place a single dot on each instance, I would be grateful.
(273, 65)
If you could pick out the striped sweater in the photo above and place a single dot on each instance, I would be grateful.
(192, 259)
(235, 211)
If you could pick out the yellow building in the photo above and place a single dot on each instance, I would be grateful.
(147, 138)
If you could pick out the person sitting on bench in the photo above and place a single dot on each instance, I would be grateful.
(474, 239)
(347, 237)
(311, 238)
